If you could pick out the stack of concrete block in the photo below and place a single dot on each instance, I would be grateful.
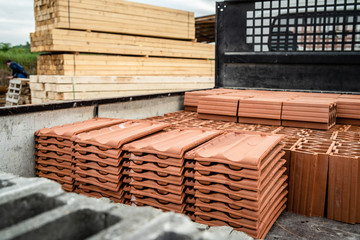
(33, 208)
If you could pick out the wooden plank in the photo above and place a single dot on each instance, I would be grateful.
(62, 88)
(94, 95)
(106, 7)
(121, 87)
(121, 79)
(37, 86)
(102, 65)
(33, 79)
(60, 40)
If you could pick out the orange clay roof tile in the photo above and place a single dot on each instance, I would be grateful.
(118, 135)
(243, 149)
(173, 143)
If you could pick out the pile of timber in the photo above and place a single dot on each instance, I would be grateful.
(114, 16)
(105, 65)
(58, 88)
(3, 91)
(63, 40)
(205, 28)
(117, 39)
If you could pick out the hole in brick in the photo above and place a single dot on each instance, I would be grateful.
(24, 208)
(77, 225)
(5, 183)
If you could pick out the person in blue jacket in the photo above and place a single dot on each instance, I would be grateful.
(17, 70)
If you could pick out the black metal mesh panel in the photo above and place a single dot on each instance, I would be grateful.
(304, 25)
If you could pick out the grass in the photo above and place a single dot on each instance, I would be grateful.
(20, 54)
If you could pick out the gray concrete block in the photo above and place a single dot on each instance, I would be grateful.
(36, 208)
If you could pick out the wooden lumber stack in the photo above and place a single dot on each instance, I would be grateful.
(101, 65)
(63, 40)
(58, 88)
(3, 91)
(114, 16)
(118, 39)
(205, 28)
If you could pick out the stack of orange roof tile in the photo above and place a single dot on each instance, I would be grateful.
(309, 113)
(261, 110)
(158, 165)
(343, 201)
(189, 182)
(240, 182)
(54, 149)
(308, 176)
(192, 98)
(219, 107)
(100, 163)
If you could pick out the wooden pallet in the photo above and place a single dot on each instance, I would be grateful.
(103, 65)
(60, 88)
(62, 40)
(114, 16)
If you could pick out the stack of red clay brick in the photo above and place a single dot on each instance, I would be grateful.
(348, 109)
(309, 113)
(102, 169)
(293, 109)
(324, 176)
(261, 110)
(54, 150)
(308, 176)
(192, 98)
(343, 197)
(160, 171)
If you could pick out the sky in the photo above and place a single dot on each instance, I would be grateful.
(17, 16)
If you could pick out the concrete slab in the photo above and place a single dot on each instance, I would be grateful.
(17, 136)
(140, 109)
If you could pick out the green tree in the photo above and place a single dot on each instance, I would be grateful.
(4, 47)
